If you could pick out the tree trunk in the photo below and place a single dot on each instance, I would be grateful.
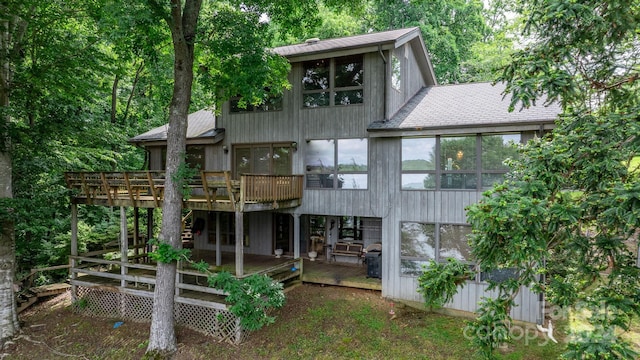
(8, 312)
(183, 23)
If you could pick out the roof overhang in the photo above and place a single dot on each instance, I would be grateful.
(463, 129)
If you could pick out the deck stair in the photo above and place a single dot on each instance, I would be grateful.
(32, 295)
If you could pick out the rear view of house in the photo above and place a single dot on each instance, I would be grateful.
(364, 151)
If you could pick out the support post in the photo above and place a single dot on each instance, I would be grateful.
(124, 245)
(149, 232)
(74, 250)
(218, 241)
(296, 236)
(136, 232)
(239, 244)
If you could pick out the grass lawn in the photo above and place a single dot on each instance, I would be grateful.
(316, 323)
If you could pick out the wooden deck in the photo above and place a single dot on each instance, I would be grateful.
(210, 190)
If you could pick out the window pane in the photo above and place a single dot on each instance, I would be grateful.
(348, 97)
(418, 240)
(349, 71)
(352, 181)
(316, 99)
(352, 155)
(261, 160)
(419, 154)
(418, 181)
(271, 103)
(396, 72)
(195, 157)
(282, 160)
(454, 243)
(320, 156)
(458, 181)
(497, 148)
(316, 75)
(242, 161)
(319, 181)
(489, 179)
(412, 267)
(458, 153)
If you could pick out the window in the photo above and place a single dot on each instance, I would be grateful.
(272, 159)
(350, 228)
(328, 82)
(421, 243)
(194, 157)
(396, 73)
(270, 103)
(351, 157)
(462, 162)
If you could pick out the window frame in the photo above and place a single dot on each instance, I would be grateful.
(334, 172)
(332, 90)
(436, 247)
(272, 166)
(439, 171)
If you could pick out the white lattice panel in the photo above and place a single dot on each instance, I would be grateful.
(221, 324)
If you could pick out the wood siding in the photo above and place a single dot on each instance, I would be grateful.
(383, 200)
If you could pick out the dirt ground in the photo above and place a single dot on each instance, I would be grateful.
(51, 330)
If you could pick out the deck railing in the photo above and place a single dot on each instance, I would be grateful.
(210, 187)
(124, 289)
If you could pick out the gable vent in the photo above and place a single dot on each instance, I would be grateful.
(312, 41)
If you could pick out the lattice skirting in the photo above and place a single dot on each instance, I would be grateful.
(221, 324)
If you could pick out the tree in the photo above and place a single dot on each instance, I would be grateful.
(449, 29)
(567, 217)
(232, 60)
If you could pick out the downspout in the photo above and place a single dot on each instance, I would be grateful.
(384, 103)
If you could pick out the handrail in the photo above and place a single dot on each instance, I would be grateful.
(134, 186)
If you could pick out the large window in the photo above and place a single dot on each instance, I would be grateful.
(420, 243)
(462, 162)
(328, 82)
(337, 164)
(273, 159)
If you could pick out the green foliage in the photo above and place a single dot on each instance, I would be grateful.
(165, 253)
(439, 282)
(491, 328)
(251, 297)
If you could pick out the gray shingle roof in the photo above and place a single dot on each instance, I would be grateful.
(350, 42)
(201, 123)
(464, 105)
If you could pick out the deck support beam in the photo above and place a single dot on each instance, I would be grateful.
(296, 236)
(124, 244)
(239, 243)
(74, 250)
(218, 241)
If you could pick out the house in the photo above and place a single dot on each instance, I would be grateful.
(365, 148)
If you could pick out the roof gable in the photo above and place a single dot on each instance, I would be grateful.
(360, 44)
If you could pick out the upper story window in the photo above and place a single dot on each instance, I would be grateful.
(336, 81)
(396, 73)
(270, 103)
(337, 164)
(461, 162)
